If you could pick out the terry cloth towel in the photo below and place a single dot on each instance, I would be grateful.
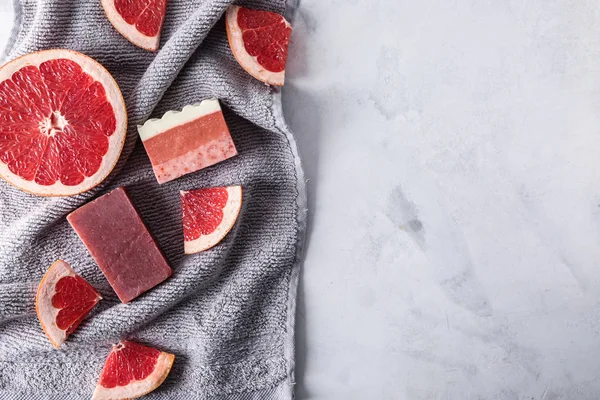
(227, 314)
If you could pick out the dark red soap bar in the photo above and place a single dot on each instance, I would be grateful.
(115, 235)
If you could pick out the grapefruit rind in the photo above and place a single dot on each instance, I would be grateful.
(248, 62)
(116, 140)
(230, 215)
(136, 389)
(129, 31)
(44, 309)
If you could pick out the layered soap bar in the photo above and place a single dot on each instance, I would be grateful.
(188, 140)
(115, 235)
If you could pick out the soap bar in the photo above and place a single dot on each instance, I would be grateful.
(115, 235)
(188, 140)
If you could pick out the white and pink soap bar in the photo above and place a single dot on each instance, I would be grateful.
(188, 140)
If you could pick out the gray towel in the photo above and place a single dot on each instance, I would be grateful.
(228, 313)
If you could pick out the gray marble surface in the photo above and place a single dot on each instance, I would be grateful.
(452, 150)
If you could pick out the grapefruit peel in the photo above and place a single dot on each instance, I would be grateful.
(45, 310)
(192, 218)
(135, 388)
(246, 60)
(115, 141)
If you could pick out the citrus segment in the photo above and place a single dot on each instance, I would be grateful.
(63, 300)
(266, 36)
(62, 123)
(259, 41)
(208, 215)
(139, 21)
(132, 370)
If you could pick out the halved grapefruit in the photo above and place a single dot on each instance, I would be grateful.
(62, 123)
(62, 302)
(132, 370)
(139, 21)
(259, 41)
(208, 215)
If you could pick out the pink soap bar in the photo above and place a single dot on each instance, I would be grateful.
(115, 235)
(186, 141)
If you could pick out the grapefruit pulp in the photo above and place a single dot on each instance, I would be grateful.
(62, 123)
(259, 41)
(208, 215)
(62, 302)
(140, 21)
(132, 370)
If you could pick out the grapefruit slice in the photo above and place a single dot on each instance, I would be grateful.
(139, 21)
(62, 123)
(259, 41)
(62, 302)
(132, 370)
(208, 215)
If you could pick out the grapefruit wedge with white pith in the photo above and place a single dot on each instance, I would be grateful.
(140, 21)
(62, 123)
(208, 216)
(132, 370)
(259, 41)
(63, 300)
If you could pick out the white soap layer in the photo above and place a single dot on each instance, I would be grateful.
(171, 119)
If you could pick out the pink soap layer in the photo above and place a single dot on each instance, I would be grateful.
(200, 157)
(190, 147)
(115, 235)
